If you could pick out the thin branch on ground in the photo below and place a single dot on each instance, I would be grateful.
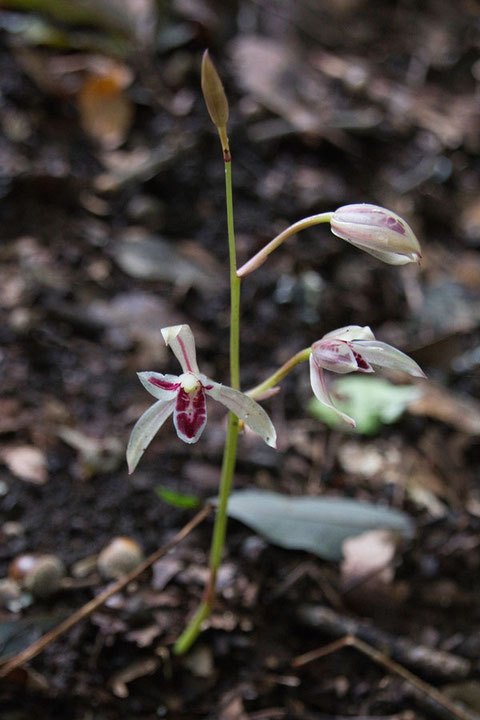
(381, 659)
(420, 658)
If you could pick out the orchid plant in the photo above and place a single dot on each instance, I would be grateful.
(373, 229)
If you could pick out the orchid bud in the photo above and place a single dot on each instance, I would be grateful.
(215, 99)
(378, 231)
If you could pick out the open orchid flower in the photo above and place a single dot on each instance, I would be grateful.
(184, 396)
(353, 349)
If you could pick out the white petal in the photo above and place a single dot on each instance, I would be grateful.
(245, 408)
(320, 390)
(390, 258)
(351, 332)
(146, 427)
(384, 355)
(181, 340)
(163, 387)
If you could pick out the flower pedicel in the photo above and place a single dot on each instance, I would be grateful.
(374, 229)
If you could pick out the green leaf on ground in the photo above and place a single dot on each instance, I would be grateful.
(179, 500)
(370, 401)
(315, 524)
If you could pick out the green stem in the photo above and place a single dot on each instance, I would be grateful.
(189, 635)
(191, 632)
(220, 527)
(234, 285)
(262, 255)
(282, 372)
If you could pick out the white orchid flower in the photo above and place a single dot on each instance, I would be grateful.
(184, 396)
(353, 349)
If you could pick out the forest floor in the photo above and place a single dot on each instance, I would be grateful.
(113, 226)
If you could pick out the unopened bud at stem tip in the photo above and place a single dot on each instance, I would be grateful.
(216, 100)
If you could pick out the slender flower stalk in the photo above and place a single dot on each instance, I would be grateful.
(257, 260)
(189, 635)
(260, 390)
(376, 230)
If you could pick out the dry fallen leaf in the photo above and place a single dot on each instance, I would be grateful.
(144, 636)
(135, 318)
(232, 707)
(425, 488)
(270, 71)
(368, 558)
(200, 661)
(165, 570)
(105, 110)
(95, 455)
(97, 83)
(27, 463)
(147, 256)
(367, 571)
(132, 672)
(362, 459)
(439, 403)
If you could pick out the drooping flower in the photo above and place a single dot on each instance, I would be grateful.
(353, 349)
(184, 396)
(378, 231)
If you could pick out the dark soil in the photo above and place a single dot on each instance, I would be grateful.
(360, 102)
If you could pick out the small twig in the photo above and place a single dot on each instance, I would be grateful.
(420, 658)
(309, 570)
(378, 657)
(35, 648)
(318, 653)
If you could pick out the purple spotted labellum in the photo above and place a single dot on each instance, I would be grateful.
(353, 349)
(378, 231)
(184, 397)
